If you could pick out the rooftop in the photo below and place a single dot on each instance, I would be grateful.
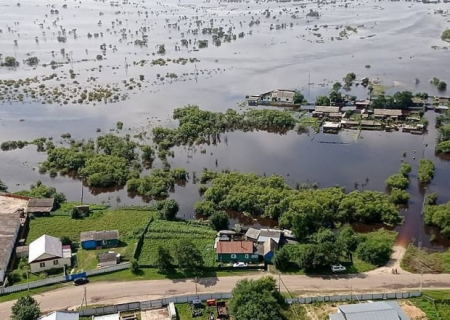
(326, 109)
(45, 245)
(388, 112)
(40, 205)
(9, 224)
(234, 247)
(107, 256)
(99, 235)
(382, 310)
(11, 203)
(60, 315)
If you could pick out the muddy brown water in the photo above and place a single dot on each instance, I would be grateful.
(399, 52)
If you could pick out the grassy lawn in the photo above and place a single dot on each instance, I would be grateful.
(36, 291)
(169, 234)
(184, 312)
(358, 265)
(423, 260)
(129, 223)
(87, 259)
(154, 274)
(434, 310)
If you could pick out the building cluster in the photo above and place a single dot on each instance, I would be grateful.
(255, 246)
(46, 252)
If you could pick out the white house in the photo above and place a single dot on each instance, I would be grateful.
(61, 315)
(47, 253)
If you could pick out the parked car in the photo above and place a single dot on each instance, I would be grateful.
(338, 268)
(240, 265)
(80, 281)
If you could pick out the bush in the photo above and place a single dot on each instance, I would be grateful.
(426, 171)
(442, 86)
(219, 220)
(405, 169)
(374, 252)
(397, 181)
(443, 147)
(134, 267)
(167, 209)
(399, 196)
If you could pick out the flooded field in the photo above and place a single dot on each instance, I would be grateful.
(117, 46)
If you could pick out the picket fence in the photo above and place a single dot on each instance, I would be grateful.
(61, 279)
(159, 303)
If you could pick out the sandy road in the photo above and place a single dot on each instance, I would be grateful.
(120, 292)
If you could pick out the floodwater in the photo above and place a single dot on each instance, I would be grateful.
(395, 39)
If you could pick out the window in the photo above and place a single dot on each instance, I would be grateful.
(55, 262)
(42, 264)
(233, 256)
(246, 256)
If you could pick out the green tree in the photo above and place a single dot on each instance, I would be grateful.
(189, 258)
(256, 299)
(165, 260)
(405, 169)
(322, 101)
(403, 100)
(3, 187)
(442, 86)
(348, 241)
(167, 209)
(25, 308)
(426, 171)
(377, 253)
(439, 216)
(299, 98)
(205, 208)
(337, 86)
(39, 190)
(399, 196)
(282, 259)
(378, 102)
(219, 220)
(134, 267)
(349, 78)
(397, 181)
(10, 61)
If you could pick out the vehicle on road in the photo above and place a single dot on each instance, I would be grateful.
(338, 268)
(80, 281)
(240, 265)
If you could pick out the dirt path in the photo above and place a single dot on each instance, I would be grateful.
(121, 292)
(394, 263)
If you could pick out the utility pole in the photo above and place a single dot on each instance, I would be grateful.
(195, 279)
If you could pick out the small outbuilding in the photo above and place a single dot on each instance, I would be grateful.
(41, 206)
(99, 239)
(108, 259)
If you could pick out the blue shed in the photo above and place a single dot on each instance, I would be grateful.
(270, 246)
(99, 239)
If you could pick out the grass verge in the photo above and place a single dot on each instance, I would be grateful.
(423, 260)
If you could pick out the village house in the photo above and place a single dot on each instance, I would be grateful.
(12, 220)
(331, 127)
(99, 239)
(42, 206)
(321, 111)
(362, 104)
(267, 249)
(286, 96)
(234, 251)
(388, 114)
(47, 253)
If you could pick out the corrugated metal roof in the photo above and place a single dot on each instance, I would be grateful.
(99, 235)
(115, 316)
(370, 311)
(235, 247)
(388, 112)
(326, 109)
(45, 245)
(252, 233)
(59, 315)
(40, 205)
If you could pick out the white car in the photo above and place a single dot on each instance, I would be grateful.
(240, 265)
(338, 268)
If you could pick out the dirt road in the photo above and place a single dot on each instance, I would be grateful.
(120, 292)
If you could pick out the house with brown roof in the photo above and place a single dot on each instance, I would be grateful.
(233, 251)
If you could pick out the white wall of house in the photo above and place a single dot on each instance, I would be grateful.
(49, 264)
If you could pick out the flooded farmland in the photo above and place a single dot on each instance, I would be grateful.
(117, 45)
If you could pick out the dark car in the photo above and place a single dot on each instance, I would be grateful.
(80, 281)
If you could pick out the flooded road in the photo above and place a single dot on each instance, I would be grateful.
(393, 43)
